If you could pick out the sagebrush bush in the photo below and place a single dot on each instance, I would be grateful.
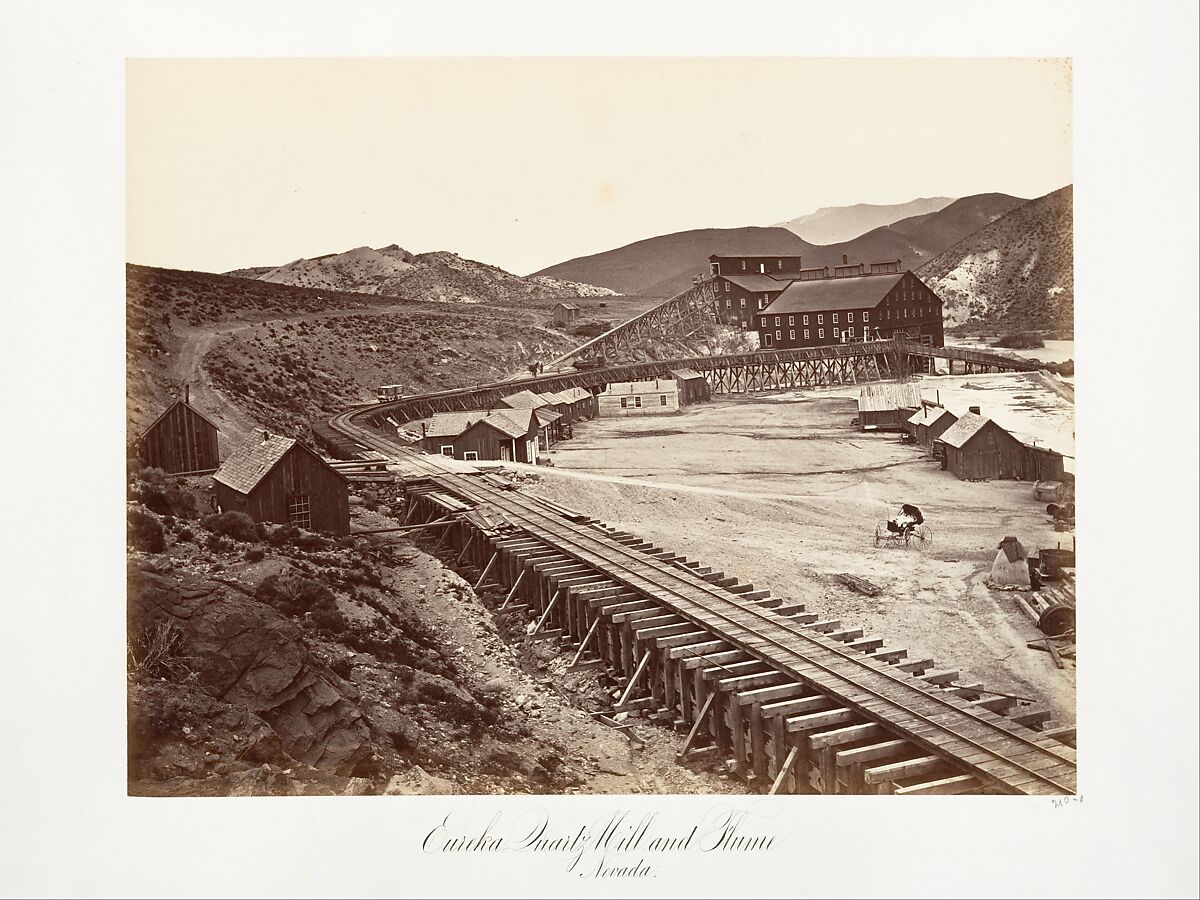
(294, 596)
(160, 493)
(144, 532)
(236, 525)
(255, 554)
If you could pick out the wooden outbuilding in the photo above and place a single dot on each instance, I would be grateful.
(640, 398)
(278, 479)
(929, 423)
(887, 406)
(181, 439)
(978, 449)
(566, 313)
(506, 435)
(693, 388)
(583, 403)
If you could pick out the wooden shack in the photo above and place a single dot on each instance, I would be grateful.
(693, 388)
(887, 406)
(978, 449)
(181, 439)
(277, 479)
(929, 423)
(583, 403)
(506, 435)
(566, 314)
(640, 398)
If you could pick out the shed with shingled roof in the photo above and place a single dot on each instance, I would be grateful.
(278, 479)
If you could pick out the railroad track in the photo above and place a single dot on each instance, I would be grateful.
(798, 702)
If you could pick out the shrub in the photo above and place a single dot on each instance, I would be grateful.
(185, 535)
(254, 554)
(158, 492)
(297, 596)
(236, 525)
(145, 532)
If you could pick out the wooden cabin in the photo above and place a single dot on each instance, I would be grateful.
(640, 398)
(693, 388)
(583, 403)
(278, 479)
(181, 439)
(506, 435)
(978, 449)
(887, 406)
(929, 423)
(566, 314)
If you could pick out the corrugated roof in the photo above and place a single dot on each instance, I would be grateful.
(967, 426)
(170, 407)
(888, 395)
(553, 398)
(822, 294)
(251, 462)
(686, 374)
(662, 385)
(511, 422)
(523, 400)
(757, 283)
(929, 415)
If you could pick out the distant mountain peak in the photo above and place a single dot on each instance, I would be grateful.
(837, 224)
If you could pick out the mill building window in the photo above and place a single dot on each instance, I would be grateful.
(806, 334)
(806, 320)
(777, 321)
(820, 334)
(791, 335)
(791, 320)
(821, 319)
(849, 317)
(470, 455)
(835, 315)
(447, 450)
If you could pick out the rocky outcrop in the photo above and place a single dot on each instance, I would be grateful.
(247, 656)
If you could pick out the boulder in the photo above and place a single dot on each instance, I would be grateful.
(417, 782)
(249, 656)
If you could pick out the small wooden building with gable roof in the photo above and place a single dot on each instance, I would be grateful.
(977, 448)
(277, 479)
(566, 313)
(928, 423)
(692, 386)
(509, 435)
(181, 439)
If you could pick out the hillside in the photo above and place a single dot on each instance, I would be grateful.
(834, 224)
(394, 272)
(257, 353)
(1015, 273)
(663, 266)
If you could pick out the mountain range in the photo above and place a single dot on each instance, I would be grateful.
(439, 276)
(665, 265)
(1016, 272)
(834, 224)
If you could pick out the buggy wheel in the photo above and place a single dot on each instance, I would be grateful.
(922, 536)
(878, 537)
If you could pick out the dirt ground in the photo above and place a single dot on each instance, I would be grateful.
(782, 491)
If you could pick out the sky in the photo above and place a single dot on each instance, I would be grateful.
(523, 163)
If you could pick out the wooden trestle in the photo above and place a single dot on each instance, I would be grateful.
(826, 722)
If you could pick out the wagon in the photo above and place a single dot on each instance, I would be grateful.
(908, 528)
(919, 536)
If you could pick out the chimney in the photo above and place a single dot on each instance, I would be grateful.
(266, 435)
(187, 393)
(974, 409)
(845, 259)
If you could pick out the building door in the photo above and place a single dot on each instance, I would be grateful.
(506, 452)
(768, 339)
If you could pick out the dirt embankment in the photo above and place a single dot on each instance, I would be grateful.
(273, 661)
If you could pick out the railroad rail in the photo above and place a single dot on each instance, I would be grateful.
(793, 702)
